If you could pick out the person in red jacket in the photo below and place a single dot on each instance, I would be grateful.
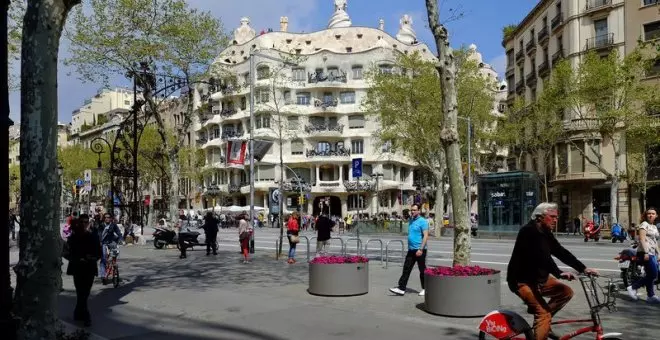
(292, 230)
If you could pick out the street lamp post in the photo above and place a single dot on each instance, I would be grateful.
(254, 54)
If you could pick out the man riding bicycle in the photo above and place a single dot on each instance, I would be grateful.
(530, 266)
(110, 236)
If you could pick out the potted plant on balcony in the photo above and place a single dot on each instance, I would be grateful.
(339, 276)
(461, 291)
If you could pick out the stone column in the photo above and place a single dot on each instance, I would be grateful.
(341, 172)
(344, 206)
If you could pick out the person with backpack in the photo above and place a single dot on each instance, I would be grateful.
(292, 230)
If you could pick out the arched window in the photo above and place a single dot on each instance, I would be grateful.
(263, 72)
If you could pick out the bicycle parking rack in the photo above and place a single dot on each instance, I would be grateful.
(387, 253)
(366, 248)
(277, 243)
(359, 245)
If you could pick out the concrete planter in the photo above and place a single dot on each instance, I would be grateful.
(462, 296)
(345, 279)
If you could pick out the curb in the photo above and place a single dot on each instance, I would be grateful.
(71, 328)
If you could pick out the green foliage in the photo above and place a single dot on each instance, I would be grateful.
(508, 31)
(15, 181)
(14, 36)
(152, 160)
(192, 161)
(76, 159)
(408, 107)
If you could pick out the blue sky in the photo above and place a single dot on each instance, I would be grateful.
(481, 24)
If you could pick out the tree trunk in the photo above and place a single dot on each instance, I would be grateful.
(614, 189)
(449, 135)
(439, 208)
(175, 176)
(38, 272)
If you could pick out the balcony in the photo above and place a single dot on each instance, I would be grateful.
(520, 86)
(530, 47)
(227, 112)
(510, 71)
(543, 35)
(520, 56)
(294, 185)
(363, 186)
(512, 89)
(201, 141)
(212, 189)
(235, 188)
(600, 42)
(231, 134)
(338, 152)
(322, 77)
(579, 176)
(557, 56)
(594, 6)
(544, 69)
(326, 103)
(557, 22)
(530, 79)
(315, 128)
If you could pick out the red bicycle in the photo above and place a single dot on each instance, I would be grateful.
(509, 325)
(111, 267)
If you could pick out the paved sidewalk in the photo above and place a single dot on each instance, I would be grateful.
(220, 298)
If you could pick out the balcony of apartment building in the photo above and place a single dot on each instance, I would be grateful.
(572, 166)
(228, 111)
(330, 178)
(544, 68)
(520, 56)
(510, 71)
(530, 47)
(520, 87)
(333, 76)
(600, 43)
(530, 78)
(230, 134)
(557, 22)
(596, 6)
(558, 56)
(544, 35)
(321, 129)
(511, 88)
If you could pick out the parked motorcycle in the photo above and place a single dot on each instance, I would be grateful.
(631, 269)
(591, 231)
(163, 237)
(618, 233)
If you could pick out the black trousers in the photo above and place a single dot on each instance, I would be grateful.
(83, 282)
(182, 247)
(411, 259)
(212, 243)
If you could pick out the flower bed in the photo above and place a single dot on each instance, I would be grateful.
(462, 291)
(339, 276)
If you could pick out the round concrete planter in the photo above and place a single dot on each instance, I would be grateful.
(345, 279)
(462, 296)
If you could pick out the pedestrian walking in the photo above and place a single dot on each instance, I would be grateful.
(418, 235)
(323, 226)
(211, 231)
(576, 226)
(647, 251)
(244, 237)
(83, 250)
(12, 225)
(292, 230)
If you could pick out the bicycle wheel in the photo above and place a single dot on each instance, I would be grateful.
(115, 275)
(529, 335)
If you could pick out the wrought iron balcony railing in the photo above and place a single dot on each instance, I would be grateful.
(520, 86)
(558, 55)
(557, 21)
(339, 152)
(233, 188)
(520, 55)
(294, 185)
(530, 46)
(600, 41)
(543, 34)
(311, 128)
(353, 186)
(228, 112)
(544, 68)
(320, 77)
(530, 79)
(326, 103)
(202, 141)
(597, 4)
(212, 189)
(231, 134)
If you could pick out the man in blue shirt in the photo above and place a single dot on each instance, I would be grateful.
(418, 235)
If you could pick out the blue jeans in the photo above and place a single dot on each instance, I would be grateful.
(292, 246)
(651, 270)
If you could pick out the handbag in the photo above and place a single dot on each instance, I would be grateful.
(294, 239)
(244, 235)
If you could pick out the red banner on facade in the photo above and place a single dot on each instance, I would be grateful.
(236, 153)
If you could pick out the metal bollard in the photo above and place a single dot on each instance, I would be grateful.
(343, 245)
(387, 253)
(366, 248)
(359, 245)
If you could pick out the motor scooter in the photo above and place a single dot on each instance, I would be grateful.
(618, 233)
(163, 236)
(591, 231)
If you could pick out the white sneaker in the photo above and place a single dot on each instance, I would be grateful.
(422, 293)
(632, 293)
(397, 291)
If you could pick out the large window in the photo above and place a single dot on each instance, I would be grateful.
(303, 98)
(347, 97)
(297, 147)
(263, 96)
(263, 72)
(593, 152)
(299, 74)
(262, 121)
(293, 123)
(577, 160)
(356, 202)
(652, 31)
(266, 173)
(357, 146)
(388, 172)
(357, 72)
(562, 158)
(356, 122)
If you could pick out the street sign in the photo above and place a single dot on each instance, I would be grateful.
(357, 167)
(88, 180)
(79, 182)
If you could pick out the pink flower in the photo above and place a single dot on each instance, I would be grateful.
(339, 259)
(459, 271)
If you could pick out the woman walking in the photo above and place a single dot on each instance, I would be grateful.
(648, 253)
(84, 251)
(244, 237)
(292, 230)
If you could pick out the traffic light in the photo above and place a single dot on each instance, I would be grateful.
(301, 199)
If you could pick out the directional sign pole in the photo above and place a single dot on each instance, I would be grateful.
(357, 173)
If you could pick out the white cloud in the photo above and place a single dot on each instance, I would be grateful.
(499, 65)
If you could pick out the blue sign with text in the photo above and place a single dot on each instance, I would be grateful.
(79, 182)
(357, 167)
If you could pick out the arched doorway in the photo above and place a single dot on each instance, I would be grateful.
(330, 204)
